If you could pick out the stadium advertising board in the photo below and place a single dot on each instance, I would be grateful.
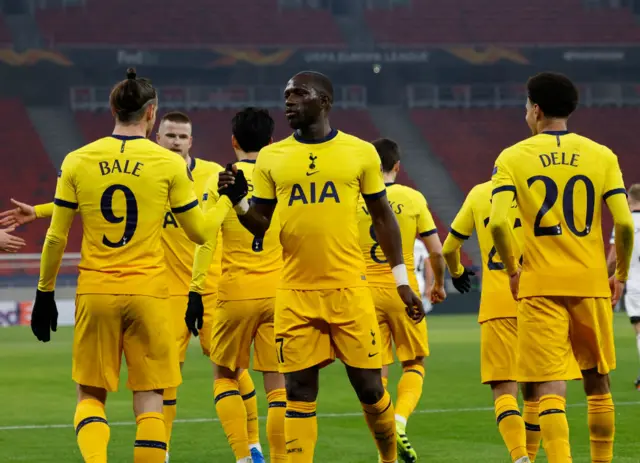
(14, 313)
(219, 57)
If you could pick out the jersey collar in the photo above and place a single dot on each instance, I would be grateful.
(193, 164)
(250, 161)
(126, 137)
(330, 136)
(556, 133)
(389, 183)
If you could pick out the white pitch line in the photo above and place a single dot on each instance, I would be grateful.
(321, 415)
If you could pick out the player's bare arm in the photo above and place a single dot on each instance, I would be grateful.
(611, 260)
(388, 235)
(436, 258)
(624, 236)
(22, 214)
(499, 226)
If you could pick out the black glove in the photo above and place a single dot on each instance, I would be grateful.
(195, 313)
(463, 282)
(238, 190)
(44, 315)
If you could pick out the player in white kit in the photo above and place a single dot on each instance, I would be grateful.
(424, 273)
(632, 296)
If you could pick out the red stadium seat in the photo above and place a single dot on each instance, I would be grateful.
(502, 21)
(196, 22)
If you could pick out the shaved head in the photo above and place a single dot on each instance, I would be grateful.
(321, 83)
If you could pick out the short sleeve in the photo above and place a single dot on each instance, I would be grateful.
(182, 196)
(371, 181)
(264, 188)
(613, 182)
(426, 224)
(502, 178)
(463, 224)
(66, 187)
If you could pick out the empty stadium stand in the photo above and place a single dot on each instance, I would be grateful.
(238, 23)
(29, 175)
(5, 34)
(502, 21)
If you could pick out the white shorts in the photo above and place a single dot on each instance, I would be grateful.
(632, 305)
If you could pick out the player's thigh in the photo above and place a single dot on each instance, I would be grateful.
(354, 328)
(264, 341)
(182, 335)
(97, 341)
(234, 324)
(544, 350)
(409, 337)
(591, 333)
(302, 334)
(381, 302)
(210, 302)
(498, 349)
(149, 347)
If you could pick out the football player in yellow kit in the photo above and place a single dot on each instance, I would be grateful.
(251, 268)
(120, 185)
(324, 307)
(559, 181)
(174, 134)
(410, 338)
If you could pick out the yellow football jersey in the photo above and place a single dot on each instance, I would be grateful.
(317, 186)
(412, 213)
(121, 186)
(251, 266)
(560, 180)
(179, 249)
(496, 300)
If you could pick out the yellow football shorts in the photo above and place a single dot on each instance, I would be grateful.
(238, 324)
(181, 332)
(552, 330)
(108, 325)
(498, 348)
(314, 326)
(409, 337)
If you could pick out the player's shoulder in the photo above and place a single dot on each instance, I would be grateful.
(588, 144)
(509, 152)
(246, 165)
(481, 190)
(208, 166)
(405, 191)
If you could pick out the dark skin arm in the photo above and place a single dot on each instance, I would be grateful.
(388, 235)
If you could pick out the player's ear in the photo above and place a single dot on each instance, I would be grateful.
(234, 143)
(270, 140)
(396, 167)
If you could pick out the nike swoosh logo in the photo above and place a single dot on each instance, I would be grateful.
(309, 174)
(290, 441)
(373, 355)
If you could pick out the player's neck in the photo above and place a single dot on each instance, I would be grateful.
(389, 177)
(552, 125)
(242, 156)
(137, 130)
(187, 159)
(315, 131)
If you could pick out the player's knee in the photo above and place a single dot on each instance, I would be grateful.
(220, 372)
(595, 383)
(418, 361)
(302, 386)
(529, 392)
(90, 392)
(370, 393)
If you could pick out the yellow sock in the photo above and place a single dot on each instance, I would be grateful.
(409, 390)
(248, 393)
(511, 426)
(381, 420)
(92, 430)
(532, 426)
(275, 425)
(601, 419)
(169, 401)
(555, 428)
(385, 382)
(301, 431)
(151, 442)
(232, 415)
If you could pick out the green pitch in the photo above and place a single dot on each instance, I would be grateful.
(453, 423)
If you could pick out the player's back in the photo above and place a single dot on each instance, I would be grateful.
(409, 208)
(496, 300)
(560, 180)
(177, 246)
(122, 186)
(248, 261)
